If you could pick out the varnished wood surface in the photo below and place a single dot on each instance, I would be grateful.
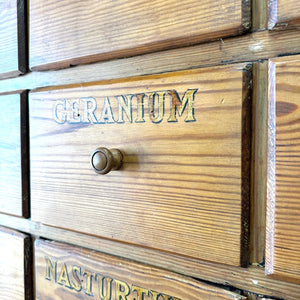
(251, 278)
(183, 187)
(284, 14)
(13, 261)
(14, 181)
(255, 46)
(283, 236)
(122, 279)
(12, 38)
(100, 30)
(259, 163)
(260, 15)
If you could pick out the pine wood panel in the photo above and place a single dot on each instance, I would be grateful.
(184, 186)
(283, 234)
(100, 30)
(284, 13)
(252, 278)
(255, 46)
(15, 264)
(66, 272)
(14, 181)
(12, 38)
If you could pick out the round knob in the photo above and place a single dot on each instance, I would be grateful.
(104, 160)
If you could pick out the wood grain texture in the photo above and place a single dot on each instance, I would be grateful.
(251, 279)
(101, 30)
(260, 163)
(284, 14)
(283, 235)
(15, 263)
(118, 275)
(13, 60)
(184, 186)
(255, 46)
(14, 181)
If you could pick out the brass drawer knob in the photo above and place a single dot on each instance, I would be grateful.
(104, 160)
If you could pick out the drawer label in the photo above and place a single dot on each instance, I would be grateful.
(126, 108)
(95, 284)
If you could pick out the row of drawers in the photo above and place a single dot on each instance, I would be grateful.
(185, 183)
(101, 30)
(62, 271)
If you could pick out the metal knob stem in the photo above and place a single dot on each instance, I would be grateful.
(104, 160)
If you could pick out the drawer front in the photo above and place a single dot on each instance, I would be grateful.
(184, 183)
(14, 181)
(283, 234)
(284, 13)
(12, 38)
(66, 272)
(98, 30)
(15, 263)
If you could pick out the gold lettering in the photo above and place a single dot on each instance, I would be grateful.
(64, 277)
(178, 105)
(122, 290)
(77, 284)
(51, 267)
(161, 106)
(74, 115)
(104, 283)
(89, 107)
(140, 108)
(106, 115)
(141, 292)
(89, 276)
(124, 106)
(60, 112)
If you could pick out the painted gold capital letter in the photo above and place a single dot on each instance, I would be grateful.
(106, 115)
(60, 112)
(161, 106)
(102, 280)
(74, 115)
(180, 105)
(51, 267)
(77, 284)
(122, 290)
(124, 106)
(64, 277)
(89, 107)
(140, 108)
(141, 292)
(89, 276)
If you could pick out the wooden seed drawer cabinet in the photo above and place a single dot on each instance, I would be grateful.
(149, 150)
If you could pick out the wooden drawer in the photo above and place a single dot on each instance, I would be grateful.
(66, 272)
(284, 13)
(14, 181)
(12, 38)
(184, 184)
(283, 222)
(100, 30)
(15, 263)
